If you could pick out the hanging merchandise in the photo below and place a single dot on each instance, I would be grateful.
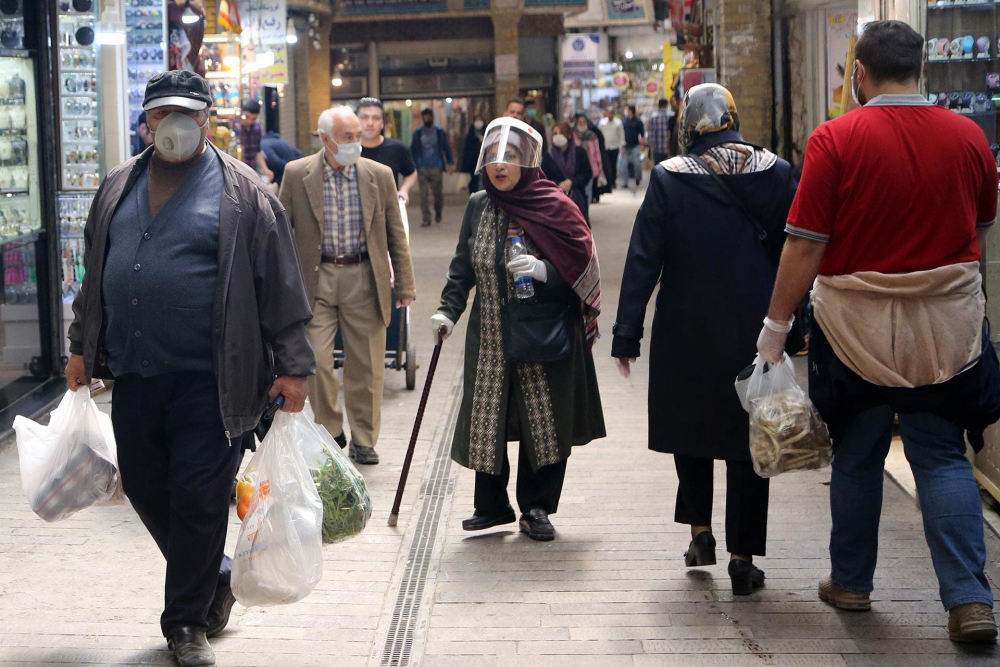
(146, 27)
(229, 16)
(78, 108)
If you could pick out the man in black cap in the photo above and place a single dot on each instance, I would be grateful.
(193, 301)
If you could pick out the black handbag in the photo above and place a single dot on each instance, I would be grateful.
(536, 333)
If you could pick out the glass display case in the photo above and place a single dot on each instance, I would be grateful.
(146, 29)
(78, 100)
(224, 71)
(12, 24)
(963, 61)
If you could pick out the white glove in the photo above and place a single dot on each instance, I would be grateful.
(527, 265)
(438, 321)
(771, 342)
(566, 186)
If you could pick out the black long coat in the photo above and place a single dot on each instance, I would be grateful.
(716, 281)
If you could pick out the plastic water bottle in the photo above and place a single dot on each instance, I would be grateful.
(523, 285)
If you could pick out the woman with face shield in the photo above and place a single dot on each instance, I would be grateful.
(529, 371)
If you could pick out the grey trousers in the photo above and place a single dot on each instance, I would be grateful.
(431, 179)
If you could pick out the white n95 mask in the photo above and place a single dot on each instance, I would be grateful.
(178, 136)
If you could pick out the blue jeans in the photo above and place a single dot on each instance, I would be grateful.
(632, 167)
(949, 501)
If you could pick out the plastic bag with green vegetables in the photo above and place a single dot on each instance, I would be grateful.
(347, 505)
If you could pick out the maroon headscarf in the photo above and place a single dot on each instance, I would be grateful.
(554, 223)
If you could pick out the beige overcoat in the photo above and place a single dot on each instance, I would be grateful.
(302, 196)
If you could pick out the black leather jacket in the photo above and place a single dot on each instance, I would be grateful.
(260, 310)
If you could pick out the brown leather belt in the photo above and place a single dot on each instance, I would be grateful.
(346, 260)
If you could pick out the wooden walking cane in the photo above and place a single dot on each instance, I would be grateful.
(394, 515)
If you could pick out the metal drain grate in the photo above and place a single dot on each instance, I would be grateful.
(399, 639)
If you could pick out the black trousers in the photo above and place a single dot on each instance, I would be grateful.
(746, 501)
(611, 169)
(177, 469)
(536, 489)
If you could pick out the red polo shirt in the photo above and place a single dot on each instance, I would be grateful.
(896, 186)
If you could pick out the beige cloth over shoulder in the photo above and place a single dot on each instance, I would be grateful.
(933, 320)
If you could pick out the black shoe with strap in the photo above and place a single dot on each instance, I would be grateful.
(536, 525)
(190, 647)
(219, 612)
(490, 519)
(747, 578)
(701, 551)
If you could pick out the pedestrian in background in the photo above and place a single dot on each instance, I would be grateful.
(613, 131)
(568, 166)
(531, 113)
(193, 302)
(345, 213)
(547, 407)
(432, 154)
(658, 132)
(586, 138)
(634, 132)
(390, 152)
(719, 276)
(248, 134)
(892, 198)
(277, 153)
(142, 138)
(470, 152)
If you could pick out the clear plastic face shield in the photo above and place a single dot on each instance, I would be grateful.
(510, 141)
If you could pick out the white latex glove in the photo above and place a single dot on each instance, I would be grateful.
(771, 341)
(438, 321)
(527, 265)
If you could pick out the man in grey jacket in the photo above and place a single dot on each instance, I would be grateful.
(193, 301)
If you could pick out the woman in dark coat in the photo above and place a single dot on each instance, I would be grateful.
(568, 166)
(470, 152)
(547, 407)
(717, 276)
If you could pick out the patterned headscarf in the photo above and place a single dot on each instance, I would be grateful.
(707, 107)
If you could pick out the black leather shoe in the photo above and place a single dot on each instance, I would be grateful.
(484, 521)
(701, 551)
(218, 613)
(364, 455)
(190, 647)
(341, 440)
(747, 577)
(536, 525)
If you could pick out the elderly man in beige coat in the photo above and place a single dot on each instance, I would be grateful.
(347, 225)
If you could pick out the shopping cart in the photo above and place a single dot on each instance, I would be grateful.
(400, 352)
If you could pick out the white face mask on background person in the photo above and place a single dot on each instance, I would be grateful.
(559, 141)
(478, 124)
(178, 136)
(347, 154)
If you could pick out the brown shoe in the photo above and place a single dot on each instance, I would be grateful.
(972, 623)
(830, 593)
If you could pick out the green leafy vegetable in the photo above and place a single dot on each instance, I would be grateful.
(347, 505)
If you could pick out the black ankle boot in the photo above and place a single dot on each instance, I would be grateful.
(701, 551)
(747, 577)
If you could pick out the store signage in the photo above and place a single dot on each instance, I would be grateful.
(392, 6)
(264, 21)
(475, 5)
(506, 65)
(681, 12)
(622, 10)
(580, 52)
(278, 72)
(840, 26)
(550, 3)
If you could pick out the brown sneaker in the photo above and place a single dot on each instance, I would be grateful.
(972, 623)
(830, 593)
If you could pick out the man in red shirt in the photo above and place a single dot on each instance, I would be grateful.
(894, 202)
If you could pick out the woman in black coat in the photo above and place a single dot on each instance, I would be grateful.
(716, 278)
(568, 166)
(470, 152)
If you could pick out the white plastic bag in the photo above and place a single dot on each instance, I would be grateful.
(786, 430)
(279, 553)
(70, 463)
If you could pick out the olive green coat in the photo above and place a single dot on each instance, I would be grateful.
(576, 401)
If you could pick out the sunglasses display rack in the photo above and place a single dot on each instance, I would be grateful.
(146, 46)
(12, 24)
(78, 96)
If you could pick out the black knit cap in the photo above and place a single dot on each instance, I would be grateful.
(177, 88)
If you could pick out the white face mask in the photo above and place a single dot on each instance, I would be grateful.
(856, 89)
(559, 141)
(478, 124)
(347, 154)
(178, 136)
